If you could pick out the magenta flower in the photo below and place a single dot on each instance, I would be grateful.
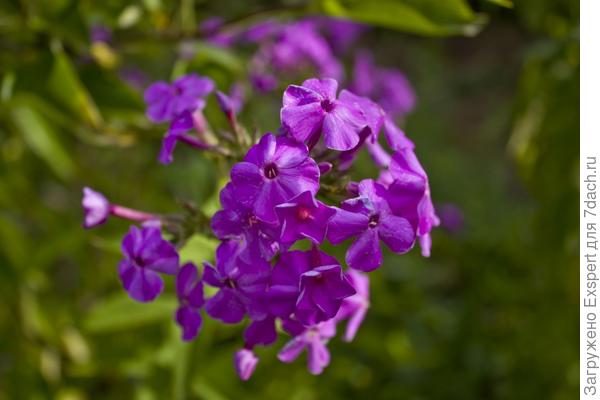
(245, 363)
(303, 217)
(241, 286)
(273, 172)
(238, 222)
(354, 308)
(167, 101)
(190, 293)
(313, 108)
(314, 340)
(96, 208)
(284, 288)
(146, 255)
(369, 218)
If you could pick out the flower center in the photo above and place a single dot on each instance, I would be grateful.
(373, 220)
(303, 213)
(230, 283)
(271, 171)
(252, 219)
(327, 105)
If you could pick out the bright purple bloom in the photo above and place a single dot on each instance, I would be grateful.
(314, 340)
(405, 168)
(245, 363)
(96, 208)
(354, 308)
(190, 293)
(369, 218)
(274, 171)
(239, 223)
(322, 290)
(284, 288)
(241, 286)
(313, 108)
(167, 101)
(388, 87)
(146, 255)
(303, 217)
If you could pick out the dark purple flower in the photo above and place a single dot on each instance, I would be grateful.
(146, 255)
(239, 223)
(167, 101)
(284, 287)
(388, 87)
(190, 293)
(354, 308)
(369, 218)
(313, 108)
(274, 171)
(322, 290)
(314, 340)
(245, 362)
(303, 217)
(96, 208)
(241, 286)
(407, 172)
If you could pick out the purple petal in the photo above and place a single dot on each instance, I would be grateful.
(166, 151)
(190, 322)
(96, 208)
(326, 87)
(291, 350)
(226, 306)
(397, 233)
(345, 224)
(365, 253)
(299, 96)
(245, 362)
(210, 276)
(318, 356)
(141, 284)
(261, 332)
(303, 122)
(341, 128)
(186, 277)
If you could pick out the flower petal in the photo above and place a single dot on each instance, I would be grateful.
(365, 253)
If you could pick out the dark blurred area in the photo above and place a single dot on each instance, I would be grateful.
(490, 315)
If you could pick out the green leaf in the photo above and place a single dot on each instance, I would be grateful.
(426, 17)
(197, 249)
(66, 87)
(502, 3)
(120, 312)
(42, 139)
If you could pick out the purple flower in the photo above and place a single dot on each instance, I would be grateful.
(238, 222)
(303, 217)
(261, 331)
(284, 287)
(354, 308)
(313, 340)
(342, 33)
(241, 286)
(177, 132)
(231, 104)
(388, 87)
(96, 208)
(369, 218)
(313, 108)
(274, 171)
(146, 255)
(407, 171)
(167, 101)
(322, 290)
(395, 136)
(245, 362)
(190, 293)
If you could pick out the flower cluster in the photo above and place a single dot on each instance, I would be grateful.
(287, 196)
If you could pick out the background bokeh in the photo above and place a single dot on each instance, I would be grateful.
(491, 315)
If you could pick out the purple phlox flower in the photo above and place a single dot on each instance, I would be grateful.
(190, 293)
(452, 217)
(273, 172)
(167, 101)
(100, 33)
(96, 208)
(313, 108)
(388, 87)
(396, 138)
(408, 172)
(303, 217)
(239, 223)
(261, 331)
(245, 362)
(177, 132)
(354, 308)
(322, 290)
(314, 339)
(325, 167)
(342, 33)
(369, 218)
(241, 286)
(284, 287)
(146, 255)
(299, 44)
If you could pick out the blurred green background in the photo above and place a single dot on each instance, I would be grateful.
(491, 315)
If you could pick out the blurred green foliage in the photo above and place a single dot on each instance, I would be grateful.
(489, 316)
